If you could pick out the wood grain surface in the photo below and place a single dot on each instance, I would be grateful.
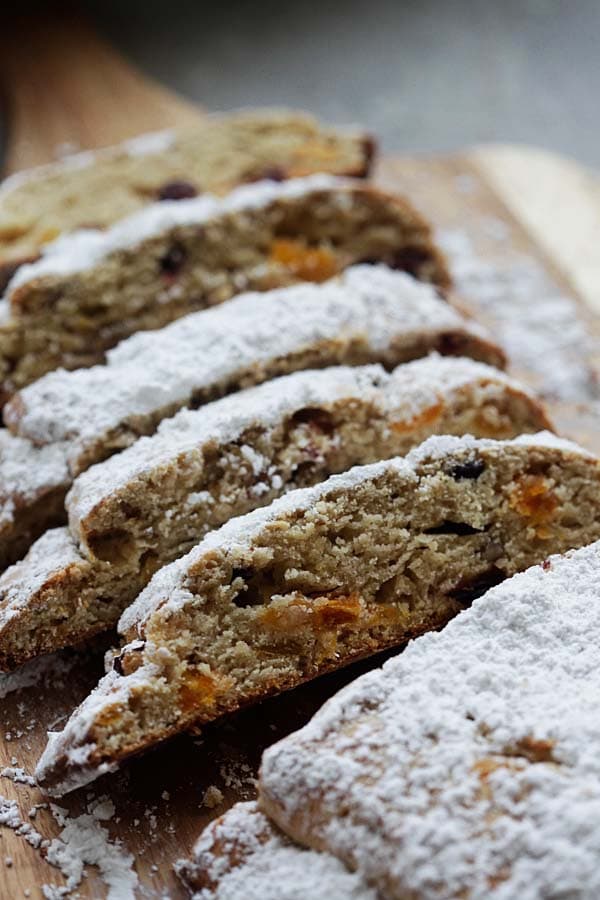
(65, 88)
(512, 204)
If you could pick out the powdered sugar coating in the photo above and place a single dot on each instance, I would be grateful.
(243, 855)
(478, 746)
(83, 249)
(27, 472)
(403, 395)
(49, 555)
(440, 445)
(372, 304)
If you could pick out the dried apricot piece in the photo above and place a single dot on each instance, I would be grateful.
(308, 263)
(197, 691)
(421, 420)
(534, 499)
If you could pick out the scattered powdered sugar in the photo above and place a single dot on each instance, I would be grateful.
(540, 328)
(10, 817)
(238, 775)
(243, 855)
(387, 312)
(51, 892)
(83, 841)
(18, 775)
(468, 764)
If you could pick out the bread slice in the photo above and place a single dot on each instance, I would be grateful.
(323, 576)
(98, 188)
(150, 504)
(368, 314)
(242, 855)
(467, 766)
(91, 289)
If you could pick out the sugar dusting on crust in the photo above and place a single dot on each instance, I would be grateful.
(479, 748)
(403, 395)
(74, 747)
(367, 303)
(243, 855)
(221, 422)
(50, 555)
(27, 472)
(439, 446)
(83, 249)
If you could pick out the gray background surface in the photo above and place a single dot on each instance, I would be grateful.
(430, 75)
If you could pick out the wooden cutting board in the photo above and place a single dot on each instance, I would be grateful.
(527, 226)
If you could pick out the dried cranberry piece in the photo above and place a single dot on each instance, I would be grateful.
(177, 190)
(471, 468)
(408, 259)
(451, 344)
(172, 262)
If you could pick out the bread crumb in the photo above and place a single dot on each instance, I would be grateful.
(212, 797)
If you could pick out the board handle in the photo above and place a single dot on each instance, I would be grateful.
(63, 86)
